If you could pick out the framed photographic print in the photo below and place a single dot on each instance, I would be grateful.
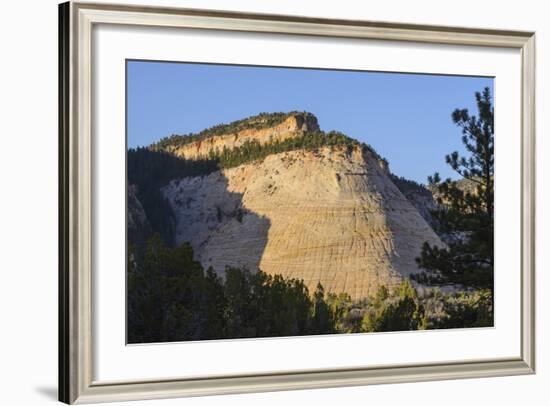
(265, 202)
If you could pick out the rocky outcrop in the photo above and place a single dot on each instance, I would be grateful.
(294, 125)
(331, 215)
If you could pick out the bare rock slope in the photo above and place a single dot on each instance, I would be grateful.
(331, 215)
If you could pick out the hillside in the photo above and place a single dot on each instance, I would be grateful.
(290, 199)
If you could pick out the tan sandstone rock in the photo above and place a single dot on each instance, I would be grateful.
(327, 216)
(293, 126)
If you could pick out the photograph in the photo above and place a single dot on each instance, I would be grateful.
(275, 203)
(283, 201)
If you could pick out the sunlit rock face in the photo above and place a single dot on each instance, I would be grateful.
(294, 125)
(332, 215)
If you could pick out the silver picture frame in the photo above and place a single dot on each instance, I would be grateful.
(76, 21)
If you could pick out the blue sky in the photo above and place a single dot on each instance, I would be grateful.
(405, 117)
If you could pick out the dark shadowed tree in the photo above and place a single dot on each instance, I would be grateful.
(239, 312)
(170, 298)
(465, 217)
(321, 322)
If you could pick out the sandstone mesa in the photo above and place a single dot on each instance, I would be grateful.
(331, 215)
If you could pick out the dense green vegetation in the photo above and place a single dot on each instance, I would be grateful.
(466, 215)
(172, 298)
(262, 120)
(252, 150)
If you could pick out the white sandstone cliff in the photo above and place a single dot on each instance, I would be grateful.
(328, 216)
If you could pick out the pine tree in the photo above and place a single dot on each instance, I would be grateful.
(321, 315)
(465, 216)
